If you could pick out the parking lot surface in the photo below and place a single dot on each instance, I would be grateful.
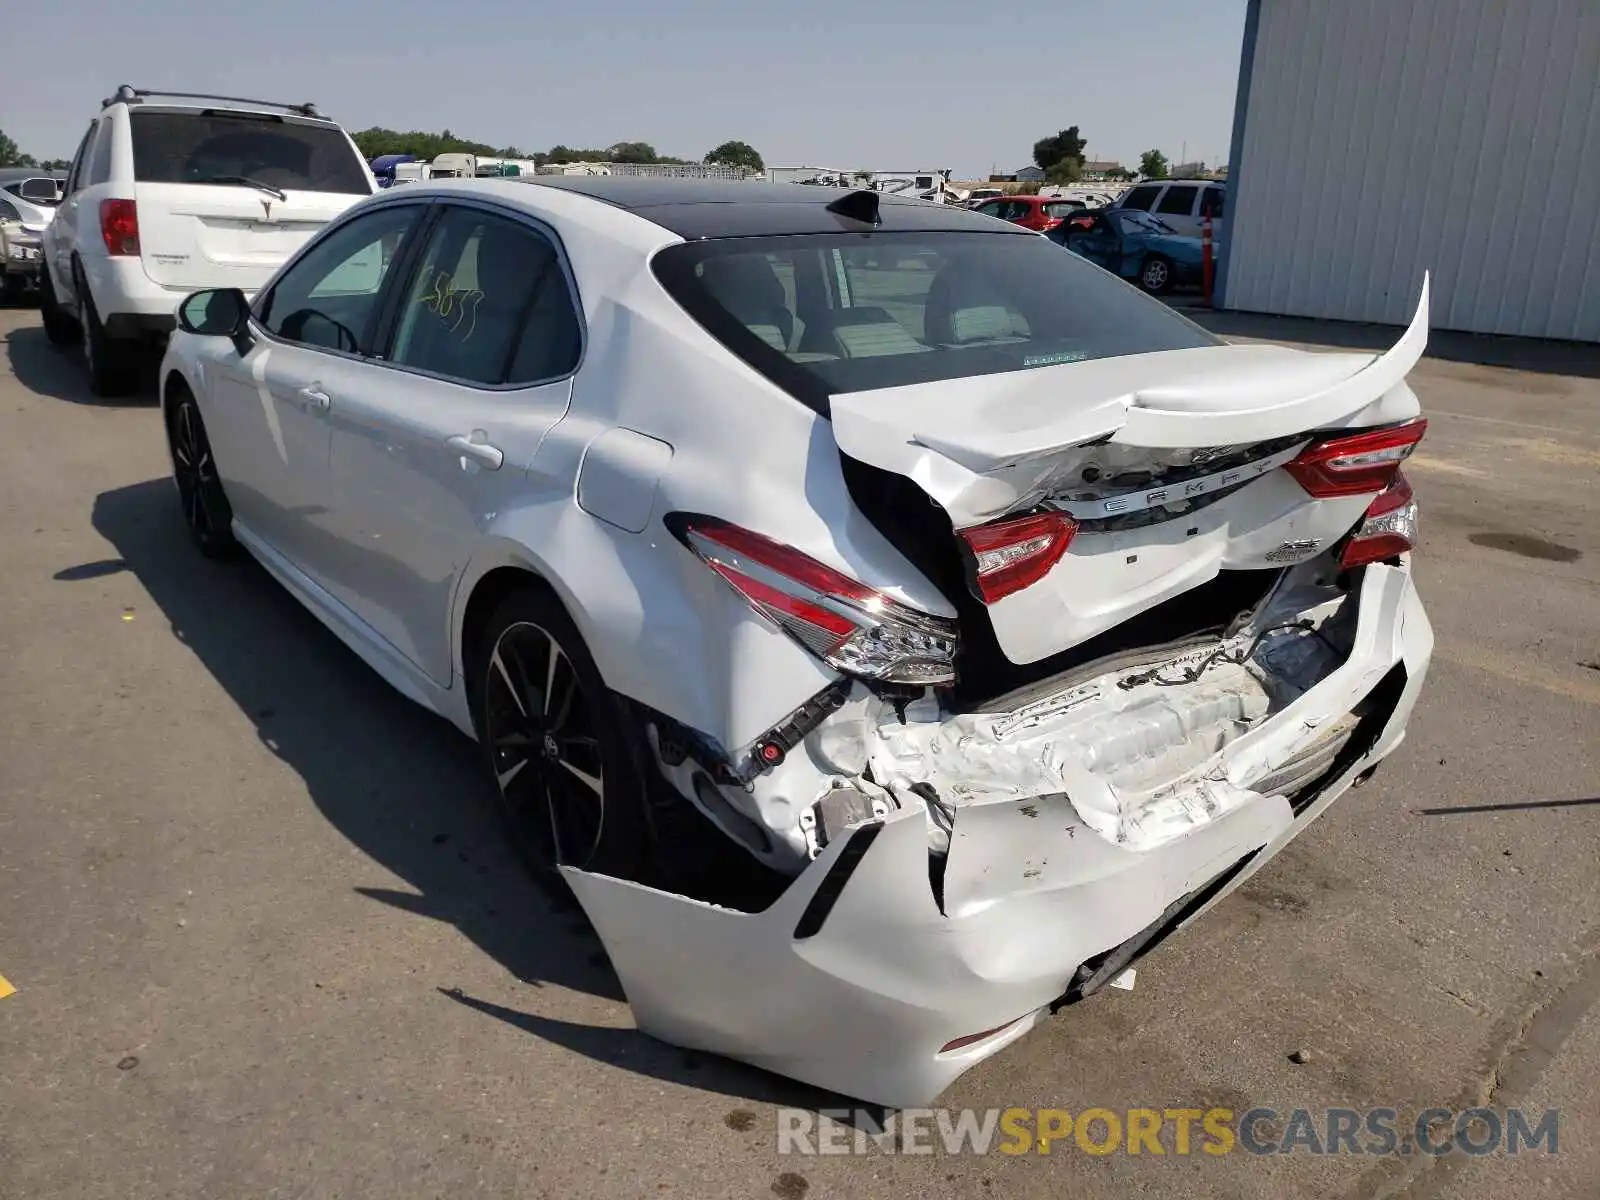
(266, 941)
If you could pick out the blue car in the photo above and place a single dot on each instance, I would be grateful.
(1134, 245)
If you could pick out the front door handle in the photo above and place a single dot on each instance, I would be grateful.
(476, 447)
(316, 400)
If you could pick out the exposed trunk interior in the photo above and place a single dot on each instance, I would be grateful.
(921, 530)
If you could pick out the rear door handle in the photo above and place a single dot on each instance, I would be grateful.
(316, 400)
(476, 447)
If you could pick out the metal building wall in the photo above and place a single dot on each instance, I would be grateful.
(1379, 138)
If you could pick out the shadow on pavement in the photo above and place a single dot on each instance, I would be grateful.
(401, 784)
(1540, 355)
(644, 1055)
(59, 372)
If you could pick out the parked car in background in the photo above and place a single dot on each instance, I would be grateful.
(978, 195)
(1182, 204)
(986, 618)
(169, 192)
(1037, 213)
(22, 227)
(385, 165)
(1134, 245)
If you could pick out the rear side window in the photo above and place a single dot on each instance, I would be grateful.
(1141, 198)
(828, 313)
(489, 305)
(1061, 209)
(230, 148)
(1178, 202)
(99, 170)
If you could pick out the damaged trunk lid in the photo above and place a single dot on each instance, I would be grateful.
(1153, 473)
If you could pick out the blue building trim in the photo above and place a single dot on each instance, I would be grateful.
(1241, 109)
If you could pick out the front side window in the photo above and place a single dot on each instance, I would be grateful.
(1141, 198)
(74, 173)
(489, 305)
(329, 297)
(241, 149)
(827, 313)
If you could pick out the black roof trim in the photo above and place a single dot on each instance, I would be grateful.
(713, 208)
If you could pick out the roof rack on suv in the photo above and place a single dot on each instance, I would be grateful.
(128, 94)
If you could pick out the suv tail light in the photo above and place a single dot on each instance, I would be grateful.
(851, 627)
(1352, 465)
(119, 225)
(1010, 554)
(1388, 528)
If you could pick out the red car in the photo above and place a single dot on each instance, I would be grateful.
(1038, 213)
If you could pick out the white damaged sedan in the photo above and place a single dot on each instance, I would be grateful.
(886, 625)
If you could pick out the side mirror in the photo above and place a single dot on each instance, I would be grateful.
(215, 312)
(38, 191)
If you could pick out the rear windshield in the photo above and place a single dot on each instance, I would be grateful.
(823, 314)
(212, 147)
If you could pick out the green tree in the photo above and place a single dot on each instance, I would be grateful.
(1065, 170)
(736, 154)
(633, 152)
(55, 164)
(1047, 152)
(10, 156)
(1153, 164)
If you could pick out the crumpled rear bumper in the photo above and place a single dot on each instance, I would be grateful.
(859, 974)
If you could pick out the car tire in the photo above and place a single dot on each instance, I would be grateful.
(1155, 274)
(113, 363)
(564, 755)
(59, 325)
(206, 510)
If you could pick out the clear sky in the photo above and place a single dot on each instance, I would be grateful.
(887, 84)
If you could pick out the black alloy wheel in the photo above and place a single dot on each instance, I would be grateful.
(559, 746)
(206, 510)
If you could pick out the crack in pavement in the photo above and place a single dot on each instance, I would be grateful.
(1518, 1053)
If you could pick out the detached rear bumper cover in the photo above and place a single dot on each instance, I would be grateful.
(863, 1002)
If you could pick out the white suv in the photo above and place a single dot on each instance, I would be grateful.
(171, 192)
(1181, 204)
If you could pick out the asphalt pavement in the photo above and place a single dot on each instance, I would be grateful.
(266, 941)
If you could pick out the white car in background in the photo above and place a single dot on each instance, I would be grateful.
(1183, 205)
(24, 214)
(887, 625)
(171, 192)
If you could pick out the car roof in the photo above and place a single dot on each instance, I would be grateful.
(716, 208)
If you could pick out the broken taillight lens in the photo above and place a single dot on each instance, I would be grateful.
(850, 626)
(1388, 528)
(1010, 554)
(1355, 464)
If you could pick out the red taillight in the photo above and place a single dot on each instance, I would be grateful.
(850, 626)
(119, 226)
(1357, 464)
(1010, 554)
(1388, 528)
